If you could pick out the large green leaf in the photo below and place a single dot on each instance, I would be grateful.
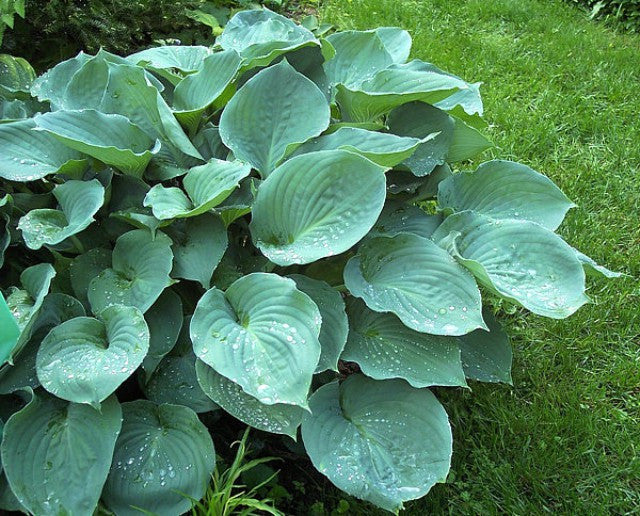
(505, 190)
(467, 142)
(198, 91)
(57, 454)
(413, 278)
(28, 155)
(84, 360)
(274, 110)
(52, 85)
(138, 274)
(261, 35)
(170, 61)
(277, 418)
(164, 320)
(25, 303)
(262, 333)
(359, 55)
(317, 205)
(518, 260)
(384, 149)
(16, 76)
(84, 268)
(394, 86)
(397, 217)
(112, 139)
(79, 201)
(163, 456)
(385, 348)
(334, 329)
(419, 120)
(55, 309)
(487, 355)
(9, 331)
(206, 186)
(198, 246)
(396, 41)
(382, 441)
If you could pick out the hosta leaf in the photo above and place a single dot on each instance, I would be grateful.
(209, 143)
(139, 272)
(316, 205)
(419, 120)
(591, 267)
(198, 246)
(84, 268)
(277, 108)
(164, 320)
(25, 303)
(399, 217)
(487, 355)
(518, 260)
(394, 86)
(505, 190)
(79, 201)
(240, 201)
(51, 86)
(112, 139)
(467, 142)
(55, 309)
(207, 186)
(413, 278)
(84, 360)
(334, 329)
(277, 418)
(262, 333)
(465, 104)
(164, 455)
(166, 59)
(174, 381)
(384, 348)
(396, 41)
(198, 91)
(9, 331)
(359, 55)
(382, 441)
(261, 35)
(16, 76)
(385, 149)
(57, 454)
(28, 155)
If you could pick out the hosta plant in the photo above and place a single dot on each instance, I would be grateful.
(280, 227)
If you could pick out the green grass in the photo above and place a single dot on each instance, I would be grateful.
(561, 95)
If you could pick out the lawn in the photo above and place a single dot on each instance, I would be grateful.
(561, 95)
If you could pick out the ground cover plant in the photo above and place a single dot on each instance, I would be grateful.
(272, 229)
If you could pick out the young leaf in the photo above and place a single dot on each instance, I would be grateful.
(262, 333)
(84, 360)
(56, 455)
(368, 437)
(139, 272)
(162, 454)
(413, 278)
(79, 201)
(277, 418)
(316, 205)
(385, 348)
(274, 110)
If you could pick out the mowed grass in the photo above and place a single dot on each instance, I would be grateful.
(562, 94)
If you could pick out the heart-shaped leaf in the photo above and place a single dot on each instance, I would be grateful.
(505, 190)
(411, 277)
(84, 268)
(84, 360)
(28, 155)
(139, 272)
(262, 333)
(57, 454)
(198, 246)
(368, 437)
(79, 201)
(396, 41)
(206, 186)
(274, 110)
(164, 320)
(399, 217)
(163, 457)
(518, 260)
(316, 205)
(335, 326)
(277, 418)
(384, 348)
(112, 139)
